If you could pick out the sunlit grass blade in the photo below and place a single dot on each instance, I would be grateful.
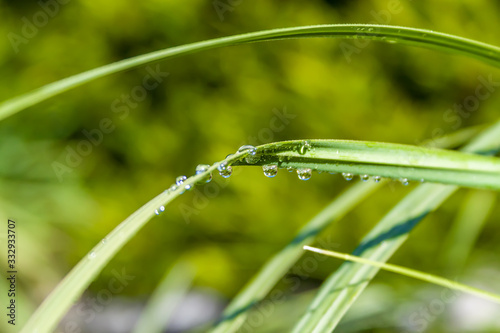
(408, 36)
(471, 218)
(384, 159)
(341, 289)
(162, 303)
(53, 308)
(434, 279)
(274, 269)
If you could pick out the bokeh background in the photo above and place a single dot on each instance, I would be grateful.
(211, 103)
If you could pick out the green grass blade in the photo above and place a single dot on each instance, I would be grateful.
(470, 220)
(426, 277)
(342, 288)
(53, 308)
(384, 159)
(275, 268)
(172, 288)
(408, 36)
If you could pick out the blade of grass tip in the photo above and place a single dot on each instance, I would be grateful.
(341, 289)
(426, 277)
(166, 297)
(470, 220)
(275, 268)
(404, 35)
(397, 161)
(58, 302)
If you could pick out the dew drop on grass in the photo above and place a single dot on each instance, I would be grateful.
(270, 170)
(404, 181)
(225, 170)
(304, 174)
(347, 176)
(104, 240)
(364, 177)
(92, 255)
(377, 179)
(306, 145)
(289, 169)
(251, 149)
(179, 180)
(173, 188)
(201, 168)
(160, 210)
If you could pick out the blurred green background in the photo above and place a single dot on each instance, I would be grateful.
(211, 103)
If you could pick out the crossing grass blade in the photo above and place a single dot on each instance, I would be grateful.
(341, 289)
(393, 34)
(274, 269)
(434, 279)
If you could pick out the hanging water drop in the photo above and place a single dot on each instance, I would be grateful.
(179, 180)
(347, 176)
(377, 179)
(225, 170)
(270, 170)
(201, 168)
(289, 169)
(306, 145)
(304, 174)
(364, 177)
(404, 181)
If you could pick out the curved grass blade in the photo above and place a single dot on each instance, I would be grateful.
(53, 308)
(426, 277)
(341, 289)
(274, 269)
(161, 305)
(409, 36)
(384, 159)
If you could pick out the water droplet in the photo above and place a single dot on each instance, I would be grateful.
(225, 170)
(404, 181)
(370, 29)
(92, 255)
(251, 149)
(347, 176)
(306, 145)
(422, 180)
(188, 187)
(377, 179)
(201, 168)
(160, 210)
(104, 240)
(289, 169)
(364, 177)
(304, 174)
(173, 188)
(229, 155)
(270, 170)
(179, 180)
(332, 173)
